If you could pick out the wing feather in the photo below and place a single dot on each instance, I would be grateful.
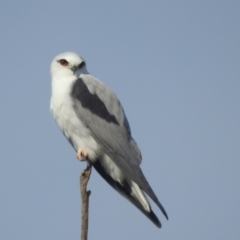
(114, 138)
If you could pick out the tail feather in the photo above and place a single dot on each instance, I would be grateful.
(130, 192)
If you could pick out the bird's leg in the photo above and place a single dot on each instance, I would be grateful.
(81, 154)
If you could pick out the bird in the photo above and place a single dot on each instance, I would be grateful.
(91, 117)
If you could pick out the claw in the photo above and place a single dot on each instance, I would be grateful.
(81, 154)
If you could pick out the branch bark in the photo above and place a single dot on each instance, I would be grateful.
(84, 177)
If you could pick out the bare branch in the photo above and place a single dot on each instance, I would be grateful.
(84, 177)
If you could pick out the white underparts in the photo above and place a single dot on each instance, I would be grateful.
(68, 121)
(112, 169)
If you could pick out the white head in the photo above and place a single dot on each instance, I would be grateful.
(67, 64)
(65, 70)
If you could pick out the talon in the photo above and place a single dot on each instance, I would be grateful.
(81, 154)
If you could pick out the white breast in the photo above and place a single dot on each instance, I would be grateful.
(62, 109)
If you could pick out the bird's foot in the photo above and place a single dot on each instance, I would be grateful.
(81, 154)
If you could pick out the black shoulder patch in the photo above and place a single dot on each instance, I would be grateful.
(91, 101)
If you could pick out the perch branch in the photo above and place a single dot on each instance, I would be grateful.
(84, 177)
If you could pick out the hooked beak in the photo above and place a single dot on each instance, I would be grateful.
(74, 69)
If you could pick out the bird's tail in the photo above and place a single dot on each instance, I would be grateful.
(131, 191)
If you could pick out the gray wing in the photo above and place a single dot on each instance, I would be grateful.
(100, 110)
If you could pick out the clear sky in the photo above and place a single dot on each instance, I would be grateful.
(175, 66)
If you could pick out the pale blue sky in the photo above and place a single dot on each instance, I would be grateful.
(175, 66)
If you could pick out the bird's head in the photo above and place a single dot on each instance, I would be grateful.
(68, 64)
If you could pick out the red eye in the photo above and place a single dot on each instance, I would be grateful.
(63, 62)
